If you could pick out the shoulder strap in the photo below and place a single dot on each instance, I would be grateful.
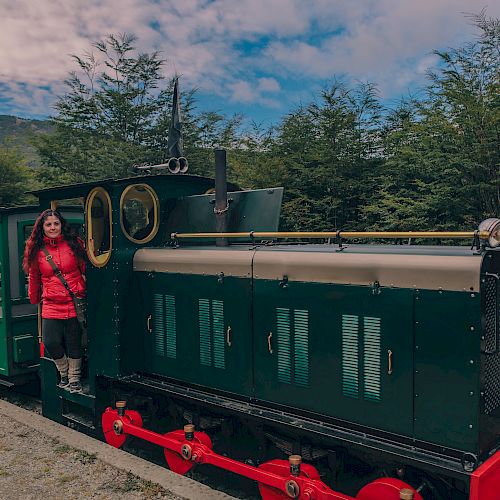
(57, 272)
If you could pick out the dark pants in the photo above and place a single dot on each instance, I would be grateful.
(62, 336)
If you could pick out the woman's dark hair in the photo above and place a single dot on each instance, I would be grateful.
(35, 241)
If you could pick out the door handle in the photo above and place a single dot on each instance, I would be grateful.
(269, 344)
(148, 322)
(389, 362)
(228, 336)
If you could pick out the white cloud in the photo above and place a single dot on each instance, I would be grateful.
(388, 42)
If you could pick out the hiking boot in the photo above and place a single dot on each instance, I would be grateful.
(75, 387)
(63, 383)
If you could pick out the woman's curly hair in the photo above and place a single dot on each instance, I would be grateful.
(35, 241)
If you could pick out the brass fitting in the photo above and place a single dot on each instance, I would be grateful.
(295, 461)
(189, 431)
(121, 407)
(406, 494)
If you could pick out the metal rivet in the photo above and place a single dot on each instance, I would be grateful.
(471, 393)
(471, 361)
(470, 426)
(472, 328)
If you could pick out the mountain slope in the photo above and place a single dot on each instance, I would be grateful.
(18, 132)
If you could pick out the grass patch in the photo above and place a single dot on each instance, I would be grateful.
(85, 457)
(132, 482)
(63, 449)
(67, 478)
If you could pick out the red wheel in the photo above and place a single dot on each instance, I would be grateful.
(282, 468)
(181, 464)
(112, 425)
(387, 488)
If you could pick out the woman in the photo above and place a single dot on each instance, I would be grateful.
(60, 329)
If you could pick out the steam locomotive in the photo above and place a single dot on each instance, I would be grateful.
(326, 370)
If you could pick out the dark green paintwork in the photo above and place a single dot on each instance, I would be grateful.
(447, 340)
(326, 304)
(257, 210)
(203, 355)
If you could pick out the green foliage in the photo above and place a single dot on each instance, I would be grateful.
(116, 114)
(344, 160)
(15, 177)
(441, 166)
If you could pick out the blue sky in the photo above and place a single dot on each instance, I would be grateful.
(256, 57)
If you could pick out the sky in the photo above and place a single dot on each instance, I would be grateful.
(261, 58)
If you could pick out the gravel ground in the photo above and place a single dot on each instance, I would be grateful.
(33, 466)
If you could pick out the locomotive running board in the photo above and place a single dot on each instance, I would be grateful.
(425, 458)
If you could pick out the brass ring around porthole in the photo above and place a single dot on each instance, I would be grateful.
(98, 226)
(139, 213)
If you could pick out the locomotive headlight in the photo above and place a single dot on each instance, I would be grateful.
(493, 227)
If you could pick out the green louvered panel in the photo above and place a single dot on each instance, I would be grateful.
(159, 325)
(301, 347)
(218, 331)
(283, 332)
(171, 326)
(205, 334)
(371, 359)
(350, 356)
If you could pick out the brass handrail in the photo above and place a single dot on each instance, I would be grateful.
(340, 234)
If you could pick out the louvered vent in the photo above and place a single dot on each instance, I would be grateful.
(367, 346)
(171, 326)
(301, 338)
(205, 336)
(283, 330)
(371, 359)
(218, 333)
(159, 325)
(212, 339)
(165, 334)
(350, 356)
(292, 328)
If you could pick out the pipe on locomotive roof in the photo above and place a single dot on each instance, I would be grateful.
(221, 202)
(342, 234)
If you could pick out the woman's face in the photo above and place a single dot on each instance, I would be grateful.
(52, 226)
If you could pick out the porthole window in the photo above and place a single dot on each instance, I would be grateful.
(139, 213)
(98, 225)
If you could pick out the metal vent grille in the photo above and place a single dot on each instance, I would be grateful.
(371, 388)
(218, 331)
(301, 340)
(283, 330)
(205, 337)
(491, 362)
(350, 362)
(164, 332)
(159, 325)
(212, 341)
(293, 345)
(171, 326)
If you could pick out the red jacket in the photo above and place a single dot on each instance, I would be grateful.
(45, 286)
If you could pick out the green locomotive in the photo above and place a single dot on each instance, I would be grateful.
(377, 364)
(19, 357)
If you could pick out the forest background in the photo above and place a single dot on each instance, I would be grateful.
(345, 160)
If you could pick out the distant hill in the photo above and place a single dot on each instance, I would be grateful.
(18, 131)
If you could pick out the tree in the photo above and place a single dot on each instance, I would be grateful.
(116, 113)
(442, 166)
(15, 176)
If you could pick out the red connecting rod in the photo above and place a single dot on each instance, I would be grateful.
(277, 479)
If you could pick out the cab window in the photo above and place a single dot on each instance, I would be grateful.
(98, 224)
(139, 213)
